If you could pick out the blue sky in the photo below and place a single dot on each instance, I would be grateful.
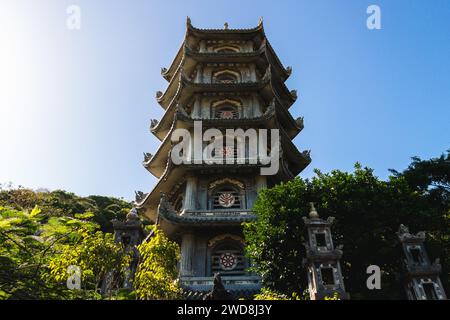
(75, 106)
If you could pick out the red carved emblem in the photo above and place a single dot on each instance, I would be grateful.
(228, 261)
(226, 199)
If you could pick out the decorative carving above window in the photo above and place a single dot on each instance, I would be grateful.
(222, 237)
(226, 76)
(224, 181)
(226, 48)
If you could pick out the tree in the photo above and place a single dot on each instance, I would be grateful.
(157, 274)
(95, 254)
(431, 178)
(61, 203)
(40, 244)
(429, 175)
(37, 250)
(22, 253)
(368, 213)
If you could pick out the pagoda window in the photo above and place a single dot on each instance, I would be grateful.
(226, 111)
(226, 197)
(430, 291)
(226, 77)
(416, 255)
(327, 276)
(228, 258)
(320, 240)
(226, 194)
(126, 239)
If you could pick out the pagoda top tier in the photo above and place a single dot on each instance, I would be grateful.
(249, 32)
(252, 43)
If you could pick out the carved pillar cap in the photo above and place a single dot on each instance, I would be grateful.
(133, 215)
(313, 212)
(405, 235)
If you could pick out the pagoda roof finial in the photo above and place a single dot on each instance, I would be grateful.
(260, 22)
(313, 212)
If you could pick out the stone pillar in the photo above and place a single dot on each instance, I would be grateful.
(196, 112)
(261, 183)
(207, 74)
(256, 107)
(205, 109)
(199, 75)
(190, 194)
(187, 255)
(202, 46)
(249, 46)
(252, 72)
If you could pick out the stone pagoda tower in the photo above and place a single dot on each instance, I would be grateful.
(221, 79)
(322, 259)
(422, 280)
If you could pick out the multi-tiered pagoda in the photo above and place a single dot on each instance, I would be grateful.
(225, 78)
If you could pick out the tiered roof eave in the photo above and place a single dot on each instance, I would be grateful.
(274, 109)
(157, 163)
(269, 83)
(257, 33)
(174, 173)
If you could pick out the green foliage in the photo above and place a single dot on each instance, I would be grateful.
(267, 294)
(95, 254)
(334, 297)
(23, 256)
(368, 213)
(37, 246)
(61, 203)
(42, 234)
(429, 175)
(156, 276)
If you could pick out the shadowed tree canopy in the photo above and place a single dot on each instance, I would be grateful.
(430, 176)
